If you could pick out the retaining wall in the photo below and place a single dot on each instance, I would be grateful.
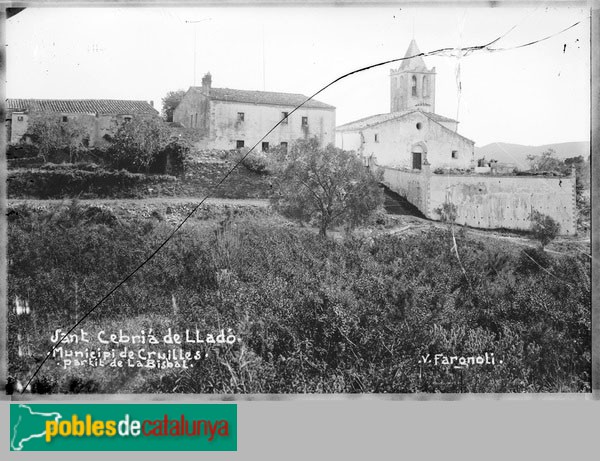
(489, 201)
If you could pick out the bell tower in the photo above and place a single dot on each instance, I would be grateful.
(412, 85)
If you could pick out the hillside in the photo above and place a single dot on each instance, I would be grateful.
(517, 153)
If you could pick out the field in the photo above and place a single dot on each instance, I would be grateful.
(351, 313)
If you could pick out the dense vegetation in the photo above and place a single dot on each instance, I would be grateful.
(140, 145)
(313, 314)
(60, 181)
(89, 180)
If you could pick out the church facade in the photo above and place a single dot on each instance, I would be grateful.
(411, 135)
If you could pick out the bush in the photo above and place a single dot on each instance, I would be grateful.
(256, 162)
(314, 315)
(544, 228)
(171, 159)
(137, 144)
(21, 151)
(447, 211)
(60, 181)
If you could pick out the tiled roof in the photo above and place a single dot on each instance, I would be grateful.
(101, 106)
(265, 97)
(381, 118)
(439, 118)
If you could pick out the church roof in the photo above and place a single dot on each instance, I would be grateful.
(264, 97)
(373, 120)
(381, 118)
(101, 106)
(413, 63)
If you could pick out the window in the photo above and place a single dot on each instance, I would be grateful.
(454, 154)
(304, 121)
(241, 116)
(196, 120)
(265, 146)
(20, 118)
(284, 145)
(376, 137)
(414, 85)
(64, 118)
(425, 86)
(419, 125)
(239, 144)
(191, 120)
(284, 117)
(127, 118)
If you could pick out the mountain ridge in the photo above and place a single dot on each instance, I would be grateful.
(517, 153)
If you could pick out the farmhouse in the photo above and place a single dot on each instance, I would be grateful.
(100, 117)
(411, 134)
(232, 119)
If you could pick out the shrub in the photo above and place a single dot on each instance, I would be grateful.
(544, 228)
(448, 212)
(171, 158)
(59, 181)
(137, 143)
(257, 162)
(21, 151)
(313, 314)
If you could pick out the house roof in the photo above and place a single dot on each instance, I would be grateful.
(264, 97)
(373, 120)
(101, 106)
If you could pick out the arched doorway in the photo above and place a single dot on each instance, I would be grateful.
(419, 155)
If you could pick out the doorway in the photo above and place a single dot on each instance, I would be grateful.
(416, 160)
(419, 155)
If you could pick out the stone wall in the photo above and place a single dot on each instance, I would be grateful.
(97, 126)
(411, 185)
(489, 201)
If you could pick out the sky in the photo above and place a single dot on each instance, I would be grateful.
(531, 95)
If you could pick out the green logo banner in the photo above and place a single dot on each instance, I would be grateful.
(123, 427)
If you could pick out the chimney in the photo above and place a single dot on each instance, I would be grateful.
(206, 82)
(151, 103)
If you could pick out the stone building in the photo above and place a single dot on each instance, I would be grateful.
(231, 119)
(411, 134)
(100, 117)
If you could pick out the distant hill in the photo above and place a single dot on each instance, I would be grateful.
(517, 153)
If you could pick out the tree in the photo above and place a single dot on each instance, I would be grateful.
(544, 228)
(547, 162)
(137, 142)
(49, 133)
(330, 186)
(170, 103)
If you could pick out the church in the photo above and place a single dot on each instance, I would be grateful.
(411, 135)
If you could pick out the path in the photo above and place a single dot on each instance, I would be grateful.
(148, 201)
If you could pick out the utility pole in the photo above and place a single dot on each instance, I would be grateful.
(263, 50)
(195, 22)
